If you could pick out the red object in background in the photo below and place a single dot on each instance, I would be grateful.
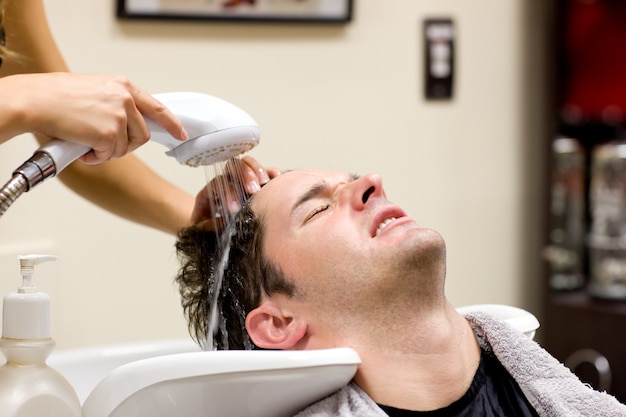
(594, 67)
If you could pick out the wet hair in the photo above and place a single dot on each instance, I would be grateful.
(248, 277)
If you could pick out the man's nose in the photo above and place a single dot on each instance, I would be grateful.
(364, 189)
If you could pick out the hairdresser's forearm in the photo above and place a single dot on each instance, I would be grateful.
(128, 188)
(34, 50)
(12, 117)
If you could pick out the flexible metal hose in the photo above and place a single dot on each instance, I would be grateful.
(11, 191)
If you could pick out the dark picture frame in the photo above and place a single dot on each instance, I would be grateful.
(324, 11)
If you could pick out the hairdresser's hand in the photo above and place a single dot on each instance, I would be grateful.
(222, 190)
(101, 111)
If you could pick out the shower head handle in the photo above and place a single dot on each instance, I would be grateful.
(49, 160)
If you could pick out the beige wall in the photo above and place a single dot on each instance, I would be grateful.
(347, 97)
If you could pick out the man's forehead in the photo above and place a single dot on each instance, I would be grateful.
(304, 177)
(290, 183)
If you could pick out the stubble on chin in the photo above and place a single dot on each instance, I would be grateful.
(425, 265)
(426, 251)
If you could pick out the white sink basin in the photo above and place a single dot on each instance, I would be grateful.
(176, 379)
(85, 368)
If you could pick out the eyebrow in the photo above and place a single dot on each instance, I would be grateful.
(315, 191)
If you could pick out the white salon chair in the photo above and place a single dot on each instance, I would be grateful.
(519, 318)
(176, 379)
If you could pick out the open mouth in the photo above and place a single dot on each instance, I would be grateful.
(384, 218)
(384, 224)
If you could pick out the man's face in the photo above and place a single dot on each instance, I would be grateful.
(340, 240)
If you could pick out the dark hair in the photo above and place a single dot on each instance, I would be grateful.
(248, 277)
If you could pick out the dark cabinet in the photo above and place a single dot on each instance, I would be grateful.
(588, 335)
(584, 317)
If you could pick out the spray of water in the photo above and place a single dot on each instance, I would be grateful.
(225, 195)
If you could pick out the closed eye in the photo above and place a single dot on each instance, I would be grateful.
(316, 211)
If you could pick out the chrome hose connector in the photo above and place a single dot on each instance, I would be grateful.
(39, 167)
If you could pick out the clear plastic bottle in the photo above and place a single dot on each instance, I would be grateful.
(28, 386)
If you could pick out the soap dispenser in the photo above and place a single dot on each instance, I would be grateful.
(28, 386)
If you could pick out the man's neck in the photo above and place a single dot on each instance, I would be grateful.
(430, 364)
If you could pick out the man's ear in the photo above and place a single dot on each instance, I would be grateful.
(270, 328)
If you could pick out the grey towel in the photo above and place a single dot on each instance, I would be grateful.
(550, 387)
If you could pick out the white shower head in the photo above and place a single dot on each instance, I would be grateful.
(218, 130)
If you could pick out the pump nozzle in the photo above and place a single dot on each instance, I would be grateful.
(27, 269)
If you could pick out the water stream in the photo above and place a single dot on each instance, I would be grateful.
(224, 184)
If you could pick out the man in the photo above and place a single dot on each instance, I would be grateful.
(321, 259)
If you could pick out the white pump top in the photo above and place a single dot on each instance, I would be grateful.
(26, 312)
